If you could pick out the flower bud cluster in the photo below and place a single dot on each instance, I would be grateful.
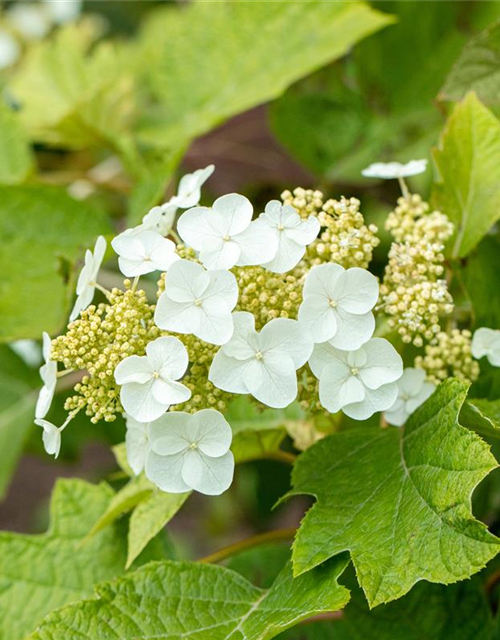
(450, 356)
(345, 238)
(307, 202)
(204, 394)
(96, 342)
(308, 395)
(270, 295)
(414, 293)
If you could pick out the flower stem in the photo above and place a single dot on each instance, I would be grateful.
(135, 283)
(249, 543)
(281, 456)
(404, 188)
(106, 292)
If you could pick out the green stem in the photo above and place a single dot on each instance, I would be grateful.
(237, 547)
(281, 456)
(404, 188)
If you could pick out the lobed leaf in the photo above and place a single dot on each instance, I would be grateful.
(399, 500)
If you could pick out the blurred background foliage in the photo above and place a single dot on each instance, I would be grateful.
(102, 110)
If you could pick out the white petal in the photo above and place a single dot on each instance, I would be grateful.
(168, 356)
(161, 251)
(211, 476)
(220, 254)
(45, 397)
(169, 392)
(166, 472)
(47, 346)
(306, 232)
(482, 340)
(318, 317)
(411, 381)
(375, 400)
(98, 256)
(222, 289)
(215, 328)
(338, 387)
(137, 445)
(226, 373)
(288, 338)
(181, 317)
(195, 227)
(139, 402)
(244, 342)
(214, 434)
(425, 392)
(272, 380)
(186, 281)
(51, 437)
(189, 190)
(390, 170)
(168, 434)
(133, 369)
(322, 279)
(288, 255)
(352, 330)
(356, 291)
(232, 214)
(82, 302)
(324, 354)
(258, 244)
(396, 416)
(384, 363)
(133, 268)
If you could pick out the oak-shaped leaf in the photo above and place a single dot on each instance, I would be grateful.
(399, 500)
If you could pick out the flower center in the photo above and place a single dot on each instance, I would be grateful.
(193, 445)
(197, 303)
(332, 303)
(259, 355)
(156, 374)
(354, 371)
(226, 238)
(281, 227)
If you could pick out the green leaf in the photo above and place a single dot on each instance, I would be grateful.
(477, 69)
(17, 410)
(39, 573)
(16, 159)
(41, 228)
(468, 163)
(197, 91)
(480, 279)
(171, 600)
(398, 499)
(482, 415)
(149, 518)
(429, 612)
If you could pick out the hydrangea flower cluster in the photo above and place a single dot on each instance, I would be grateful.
(273, 306)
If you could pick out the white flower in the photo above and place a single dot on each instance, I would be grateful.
(292, 235)
(337, 305)
(148, 382)
(137, 444)
(486, 342)
(198, 301)
(359, 382)
(63, 11)
(51, 437)
(263, 364)
(10, 50)
(225, 235)
(190, 452)
(413, 391)
(48, 374)
(144, 253)
(31, 20)
(390, 170)
(85, 287)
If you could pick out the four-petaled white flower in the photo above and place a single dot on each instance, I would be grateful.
(86, 284)
(136, 443)
(143, 253)
(263, 364)
(337, 305)
(148, 383)
(188, 195)
(48, 374)
(392, 170)
(413, 391)
(198, 301)
(51, 437)
(292, 234)
(190, 452)
(225, 235)
(359, 382)
(486, 342)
